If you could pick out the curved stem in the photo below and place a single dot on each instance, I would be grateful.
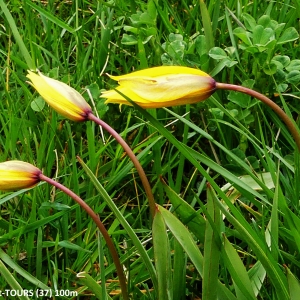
(101, 227)
(133, 158)
(288, 122)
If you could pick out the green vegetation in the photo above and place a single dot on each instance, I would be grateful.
(225, 172)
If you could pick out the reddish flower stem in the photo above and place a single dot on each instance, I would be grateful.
(288, 122)
(133, 158)
(101, 227)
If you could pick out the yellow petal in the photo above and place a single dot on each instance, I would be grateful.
(162, 86)
(61, 97)
(161, 71)
(16, 175)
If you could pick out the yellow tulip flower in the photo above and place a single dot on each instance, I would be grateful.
(161, 87)
(61, 97)
(16, 175)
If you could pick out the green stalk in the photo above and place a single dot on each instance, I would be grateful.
(133, 158)
(101, 227)
(288, 122)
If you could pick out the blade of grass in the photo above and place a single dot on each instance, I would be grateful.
(211, 249)
(187, 242)
(92, 284)
(141, 250)
(7, 260)
(237, 271)
(294, 285)
(51, 17)
(162, 257)
(17, 36)
(9, 278)
(209, 37)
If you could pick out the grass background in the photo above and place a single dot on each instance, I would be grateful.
(245, 238)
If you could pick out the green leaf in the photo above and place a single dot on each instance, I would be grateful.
(289, 35)
(270, 68)
(294, 65)
(262, 36)
(217, 53)
(17, 269)
(179, 272)
(293, 77)
(206, 21)
(243, 35)
(283, 59)
(264, 20)
(249, 21)
(129, 39)
(38, 104)
(200, 44)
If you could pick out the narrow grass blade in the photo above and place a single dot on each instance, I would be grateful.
(33, 226)
(9, 278)
(257, 275)
(184, 237)
(92, 284)
(263, 254)
(274, 220)
(187, 214)
(50, 17)
(294, 285)
(179, 272)
(141, 250)
(211, 249)
(238, 272)
(8, 261)
(187, 242)
(209, 37)
(17, 36)
(162, 257)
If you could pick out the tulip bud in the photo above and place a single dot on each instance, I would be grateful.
(16, 175)
(162, 86)
(61, 97)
